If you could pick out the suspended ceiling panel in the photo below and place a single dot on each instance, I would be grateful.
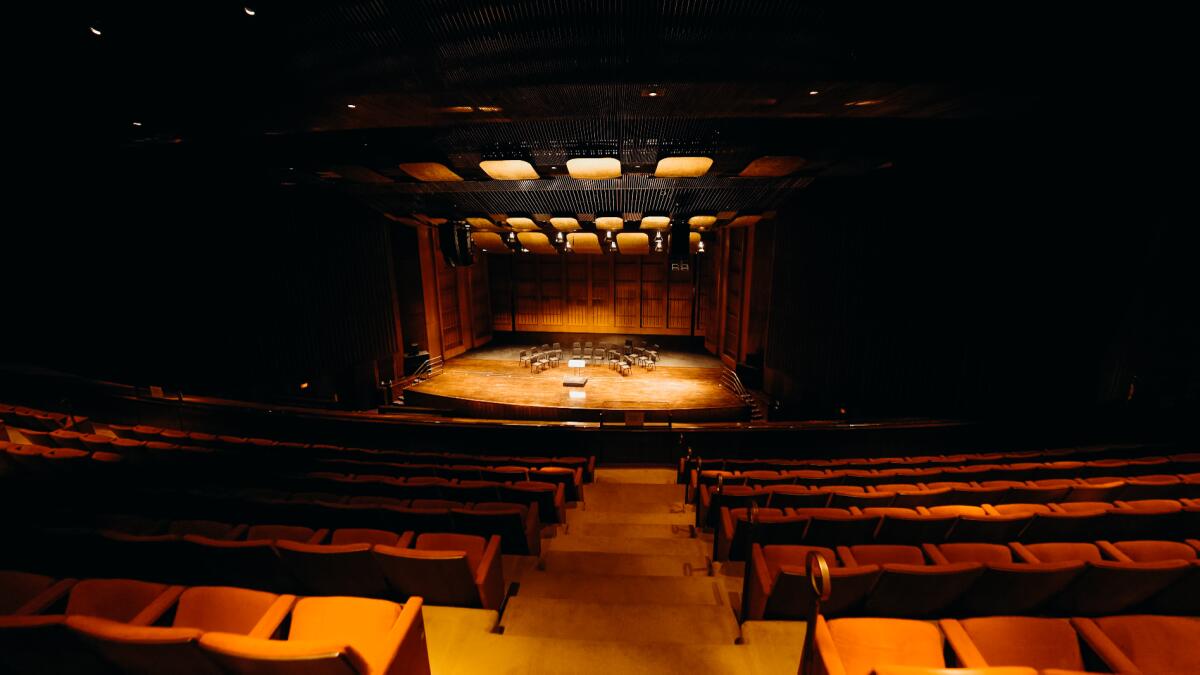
(702, 222)
(489, 242)
(610, 223)
(536, 242)
(594, 168)
(655, 223)
(565, 224)
(522, 224)
(429, 172)
(585, 242)
(509, 169)
(683, 167)
(773, 167)
(633, 243)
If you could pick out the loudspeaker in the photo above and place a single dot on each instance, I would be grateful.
(681, 248)
(454, 239)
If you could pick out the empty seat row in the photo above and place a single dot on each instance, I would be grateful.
(453, 569)
(1083, 521)
(1081, 579)
(571, 479)
(126, 626)
(1137, 452)
(1146, 645)
(34, 418)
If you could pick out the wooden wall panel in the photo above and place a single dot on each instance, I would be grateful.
(500, 290)
(595, 294)
(481, 306)
(449, 308)
(731, 335)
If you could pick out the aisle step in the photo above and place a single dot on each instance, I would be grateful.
(589, 562)
(616, 589)
(633, 623)
(643, 545)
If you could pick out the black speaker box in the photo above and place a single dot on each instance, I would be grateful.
(681, 248)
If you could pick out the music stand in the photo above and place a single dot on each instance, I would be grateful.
(575, 380)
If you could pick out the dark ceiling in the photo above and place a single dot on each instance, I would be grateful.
(316, 93)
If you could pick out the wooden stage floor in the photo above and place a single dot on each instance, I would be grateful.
(503, 389)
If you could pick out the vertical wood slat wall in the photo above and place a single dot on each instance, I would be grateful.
(630, 294)
(457, 301)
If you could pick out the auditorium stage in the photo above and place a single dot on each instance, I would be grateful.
(491, 383)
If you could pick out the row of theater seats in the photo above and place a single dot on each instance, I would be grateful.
(570, 479)
(444, 568)
(1074, 579)
(1030, 523)
(1062, 488)
(693, 462)
(34, 418)
(109, 626)
(1009, 645)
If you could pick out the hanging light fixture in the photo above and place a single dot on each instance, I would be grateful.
(612, 246)
(700, 247)
(559, 238)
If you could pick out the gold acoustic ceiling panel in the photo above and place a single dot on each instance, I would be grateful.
(633, 243)
(489, 242)
(585, 242)
(430, 172)
(482, 224)
(565, 224)
(683, 167)
(609, 223)
(773, 166)
(656, 223)
(508, 169)
(522, 224)
(594, 168)
(536, 242)
(702, 222)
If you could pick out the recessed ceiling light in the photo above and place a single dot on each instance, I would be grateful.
(95, 31)
(652, 94)
(814, 92)
(871, 101)
(490, 108)
(594, 168)
(137, 124)
(351, 105)
(508, 169)
(248, 10)
(682, 167)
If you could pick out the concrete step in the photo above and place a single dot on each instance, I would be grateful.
(615, 589)
(636, 476)
(662, 517)
(630, 530)
(628, 564)
(631, 493)
(573, 619)
(643, 545)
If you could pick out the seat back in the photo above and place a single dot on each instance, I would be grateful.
(439, 577)
(1016, 588)
(145, 650)
(345, 569)
(1026, 641)
(244, 564)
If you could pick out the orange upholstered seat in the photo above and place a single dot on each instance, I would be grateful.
(333, 569)
(286, 533)
(908, 526)
(332, 636)
(446, 569)
(361, 535)
(25, 593)
(1015, 641)
(1105, 587)
(853, 646)
(1005, 587)
(796, 496)
(1152, 645)
(771, 526)
(516, 524)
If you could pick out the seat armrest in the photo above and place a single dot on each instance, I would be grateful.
(489, 578)
(990, 510)
(273, 617)
(965, 651)
(829, 661)
(846, 556)
(724, 534)
(757, 584)
(406, 540)
(408, 653)
(1099, 643)
(238, 531)
(318, 536)
(47, 598)
(934, 554)
(155, 610)
(1112, 551)
(1023, 553)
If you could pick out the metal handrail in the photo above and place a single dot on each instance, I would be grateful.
(430, 369)
(732, 382)
(817, 570)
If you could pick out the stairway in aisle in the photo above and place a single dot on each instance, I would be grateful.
(623, 587)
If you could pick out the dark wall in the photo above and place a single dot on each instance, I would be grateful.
(969, 291)
(158, 270)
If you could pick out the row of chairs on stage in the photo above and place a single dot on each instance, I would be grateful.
(619, 358)
(109, 626)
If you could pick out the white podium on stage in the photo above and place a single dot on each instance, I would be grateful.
(575, 380)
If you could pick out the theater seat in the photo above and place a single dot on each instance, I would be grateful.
(1104, 587)
(25, 593)
(854, 646)
(779, 588)
(245, 564)
(796, 496)
(1180, 597)
(771, 526)
(148, 650)
(1015, 641)
(286, 533)
(44, 644)
(206, 528)
(458, 570)
(333, 569)
(1005, 587)
(909, 526)
(332, 636)
(831, 527)
(517, 525)
(1151, 645)
(361, 535)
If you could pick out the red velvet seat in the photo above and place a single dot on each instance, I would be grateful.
(771, 526)
(1105, 586)
(1153, 645)
(778, 587)
(517, 525)
(796, 496)
(908, 526)
(1005, 587)
(446, 569)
